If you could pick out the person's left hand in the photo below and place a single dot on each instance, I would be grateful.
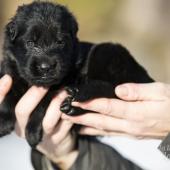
(144, 112)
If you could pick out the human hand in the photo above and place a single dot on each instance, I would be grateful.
(5, 86)
(57, 142)
(143, 112)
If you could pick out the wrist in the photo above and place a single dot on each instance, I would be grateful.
(67, 154)
(64, 154)
(66, 161)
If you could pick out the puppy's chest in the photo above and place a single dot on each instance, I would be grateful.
(19, 88)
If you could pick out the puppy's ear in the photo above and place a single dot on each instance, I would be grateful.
(12, 30)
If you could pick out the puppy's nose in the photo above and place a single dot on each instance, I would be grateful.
(44, 66)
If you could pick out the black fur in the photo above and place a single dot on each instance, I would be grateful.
(41, 48)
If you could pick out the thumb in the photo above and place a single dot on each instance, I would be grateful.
(5, 85)
(146, 91)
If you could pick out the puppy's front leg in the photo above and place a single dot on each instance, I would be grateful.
(34, 130)
(84, 92)
(7, 115)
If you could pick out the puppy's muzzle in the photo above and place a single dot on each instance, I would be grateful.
(46, 67)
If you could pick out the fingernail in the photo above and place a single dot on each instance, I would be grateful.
(75, 104)
(121, 91)
(4, 81)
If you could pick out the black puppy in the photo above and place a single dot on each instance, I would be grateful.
(41, 48)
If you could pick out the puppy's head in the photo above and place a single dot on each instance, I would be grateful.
(42, 40)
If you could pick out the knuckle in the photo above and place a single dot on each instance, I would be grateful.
(152, 124)
(134, 90)
(127, 111)
(48, 127)
(134, 130)
(135, 116)
(133, 113)
(101, 122)
(18, 110)
(137, 92)
(108, 107)
(88, 105)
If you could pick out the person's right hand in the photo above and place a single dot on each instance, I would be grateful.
(5, 86)
(58, 143)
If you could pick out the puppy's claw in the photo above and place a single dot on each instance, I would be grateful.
(75, 111)
(66, 105)
(65, 108)
(72, 91)
(71, 112)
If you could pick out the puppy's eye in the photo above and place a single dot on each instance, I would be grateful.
(30, 44)
(60, 43)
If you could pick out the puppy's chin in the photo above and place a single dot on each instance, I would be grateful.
(45, 82)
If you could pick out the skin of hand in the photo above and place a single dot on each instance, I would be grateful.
(142, 112)
(58, 143)
(5, 86)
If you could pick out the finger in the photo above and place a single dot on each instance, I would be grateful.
(27, 104)
(5, 85)
(53, 113)
(147, 91)
(147, 135)
(133, 111)
(112, 107)
(96, 132)
(98, 121)
(61, 131)
(55, 140)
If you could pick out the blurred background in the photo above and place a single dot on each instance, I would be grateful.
(144, 28)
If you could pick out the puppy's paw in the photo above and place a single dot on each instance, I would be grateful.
(6, 126)
(68, 109)
(33, 134)
(72, 91)
(66, 105)
(78, 94)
